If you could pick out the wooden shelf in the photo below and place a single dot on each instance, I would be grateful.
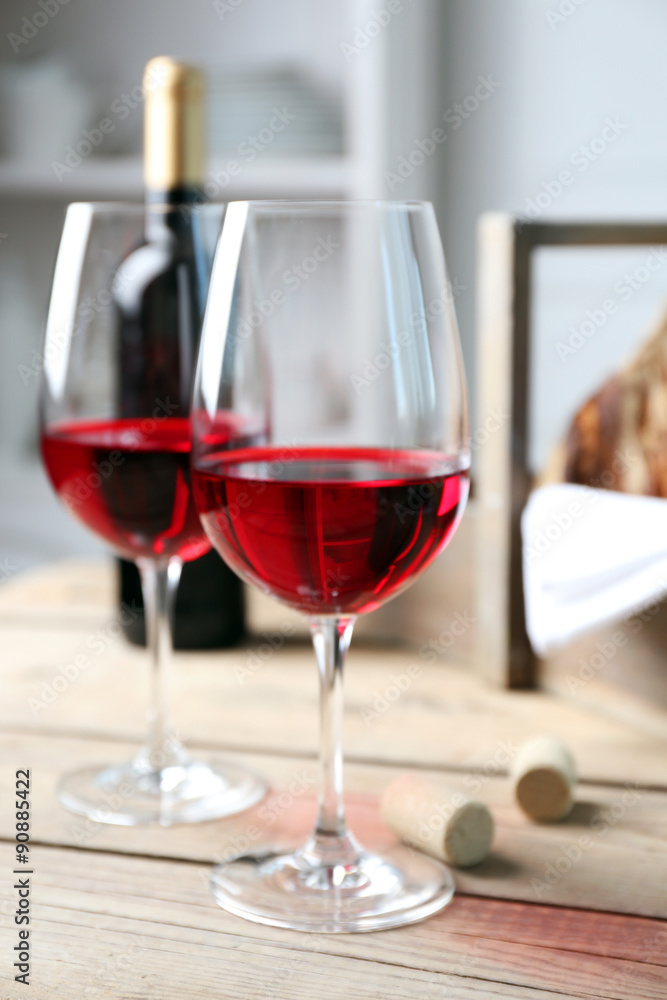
(308, 177)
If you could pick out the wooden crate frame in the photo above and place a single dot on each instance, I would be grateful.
(502, 476)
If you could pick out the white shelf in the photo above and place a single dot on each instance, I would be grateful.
(308, 177)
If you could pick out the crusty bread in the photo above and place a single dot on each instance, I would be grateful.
(618, 439)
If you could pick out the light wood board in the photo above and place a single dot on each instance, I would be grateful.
(126, 913)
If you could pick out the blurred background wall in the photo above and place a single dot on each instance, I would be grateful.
(474, 104)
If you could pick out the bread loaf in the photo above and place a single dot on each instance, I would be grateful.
(618, 439)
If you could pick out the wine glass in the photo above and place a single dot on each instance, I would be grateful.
(330, 343)
(121, 340)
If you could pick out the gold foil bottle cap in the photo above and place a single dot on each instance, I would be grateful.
(173, 125)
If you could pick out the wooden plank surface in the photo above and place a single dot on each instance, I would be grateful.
(629, 686)
(448, 716)
(126, 913)
(142, 927)
(624, 827)
(85, 590)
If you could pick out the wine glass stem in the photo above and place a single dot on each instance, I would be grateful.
(331, 639)
(159, 584)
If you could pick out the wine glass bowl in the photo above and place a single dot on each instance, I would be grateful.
(334, 531)
(330, 344)
(128, 480)
(115, 399)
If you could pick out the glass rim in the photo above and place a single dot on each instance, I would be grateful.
(278, 207)
(284, 204)
(141, 207)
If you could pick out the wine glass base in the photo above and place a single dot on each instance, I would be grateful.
(188, 792)
(398, 887)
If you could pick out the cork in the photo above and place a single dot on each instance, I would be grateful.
(544, 777)
(438, 819)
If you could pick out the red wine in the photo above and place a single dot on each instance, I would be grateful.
(129, 480)
(329, 530)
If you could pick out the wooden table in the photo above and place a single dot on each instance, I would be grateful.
(126, 913)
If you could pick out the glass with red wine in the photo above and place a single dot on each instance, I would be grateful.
(330, 348)
(121, 341)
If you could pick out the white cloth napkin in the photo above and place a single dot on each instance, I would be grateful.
(590, 557)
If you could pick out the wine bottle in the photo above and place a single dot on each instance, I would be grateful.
(160, 297)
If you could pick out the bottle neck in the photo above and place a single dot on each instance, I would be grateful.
(173, 133)
(168, 216)
(182, 195)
